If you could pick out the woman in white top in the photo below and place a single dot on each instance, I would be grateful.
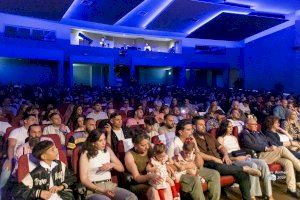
(96, 162)
(231, 144)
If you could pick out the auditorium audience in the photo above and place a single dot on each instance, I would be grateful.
(162, 107)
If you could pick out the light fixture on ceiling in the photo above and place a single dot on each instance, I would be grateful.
(142, 13)
(86, 2)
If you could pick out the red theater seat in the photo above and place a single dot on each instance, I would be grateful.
(68, 136)
(55, 138)
(275, 167)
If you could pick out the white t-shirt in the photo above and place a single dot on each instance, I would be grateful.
(3, 127)
(175, 147)
(97, 116)
(19, 134)
(94, 173)
(56, 130)
(283, 138)
(240, 124)
(119, 134)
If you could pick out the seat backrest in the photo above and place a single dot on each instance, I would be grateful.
(130, 113)
(159, 138)
(55, 138)
(213, 132)
(27, 163)
(68, 136)
(75, 159)
(235, 132)
(122, 147)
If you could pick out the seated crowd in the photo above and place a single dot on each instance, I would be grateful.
(145, 142)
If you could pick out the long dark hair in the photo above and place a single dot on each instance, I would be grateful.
(74, 115)
(89, 145)
(223, 127)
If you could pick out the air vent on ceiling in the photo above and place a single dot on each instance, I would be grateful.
(142, 13)
(87, 2)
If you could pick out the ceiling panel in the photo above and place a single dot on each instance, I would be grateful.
(103, 11)
(234, 27)
(45, 9)
(181, 15)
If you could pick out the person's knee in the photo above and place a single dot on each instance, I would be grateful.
(215, 176)
(254, 165)
(131, 196)
(288, 165)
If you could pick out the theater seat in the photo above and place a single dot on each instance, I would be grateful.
(68, 136)
(75, 159)
(214, 132)
(275, 167)
(227, 181)
(235, 132)
(27, 163)
(55, 138)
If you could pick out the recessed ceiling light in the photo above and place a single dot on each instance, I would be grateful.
(142, 13)
(87, 2)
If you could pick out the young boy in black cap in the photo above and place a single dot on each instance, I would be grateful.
(49, 180)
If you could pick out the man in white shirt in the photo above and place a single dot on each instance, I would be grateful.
(57, 127)
(168, 129)
(16, 138)
(97, 112)
(3, 125)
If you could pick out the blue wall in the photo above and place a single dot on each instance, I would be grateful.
(270, 60)
(27, 71)
(153, 75)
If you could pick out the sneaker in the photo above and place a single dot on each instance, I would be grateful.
(294, 194)
(252, 171)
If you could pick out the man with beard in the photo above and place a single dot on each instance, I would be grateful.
(168, 129)
(80, 137)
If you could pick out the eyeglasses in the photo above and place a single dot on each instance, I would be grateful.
(253, 124)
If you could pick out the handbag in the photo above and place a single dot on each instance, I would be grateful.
(239, 153)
